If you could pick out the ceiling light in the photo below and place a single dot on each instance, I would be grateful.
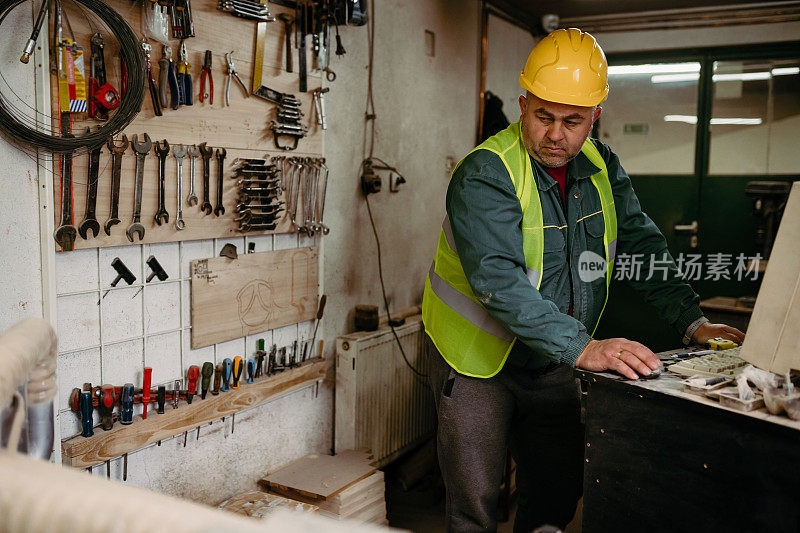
(618, 70)
(784, 71)
(692, 119)
(668, 78)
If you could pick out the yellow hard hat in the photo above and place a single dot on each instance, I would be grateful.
(567, 67)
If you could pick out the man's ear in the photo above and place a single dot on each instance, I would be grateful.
(597, 111)
(523, 103)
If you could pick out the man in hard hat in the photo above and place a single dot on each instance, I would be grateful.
(535, 217)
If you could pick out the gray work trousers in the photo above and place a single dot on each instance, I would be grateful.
(537, 414)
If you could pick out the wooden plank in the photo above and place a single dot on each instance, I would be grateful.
(241, 128)
(82, 452)
(318, 477)
(231, 298)
(773, 338)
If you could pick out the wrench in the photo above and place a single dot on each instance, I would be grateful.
(179, 223)
(192, 152)
(66, 233)
(89, 221)
(325, 229)
(221, 153)
(141, 153)
(162, 152)
(116, 168)
(206, 153)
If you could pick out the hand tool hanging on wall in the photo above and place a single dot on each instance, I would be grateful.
(151, 81)
(237, 371)
(251, 370)
(157, 269)
(247, 9)
(146, 379)
(288, 24)
(86, 414)
(180, 12)
(192, 152)
(192, 376)
(207, 372)
(89, 220)
(185, 77)
(176, 394)
(116, 170)
(206, 73)
(232, 74)
(320, 311)
(122, 273)
(105, 407)
(179, 151)
(102, 96)
(162, 151)
(302, 13)
(219, 210)
(168, 89)
(218, 370)
(141, 151)
(226, 374)
(126, 403)
(206, 153)
(319, 106)
(66, 233)
(161, 399)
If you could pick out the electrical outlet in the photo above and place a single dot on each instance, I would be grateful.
(395, 180)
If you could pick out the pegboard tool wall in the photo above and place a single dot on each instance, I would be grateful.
(241, 128)
(108, 337)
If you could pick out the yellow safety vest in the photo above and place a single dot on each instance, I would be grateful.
(469, 339)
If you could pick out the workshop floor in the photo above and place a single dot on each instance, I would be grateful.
(421, 509)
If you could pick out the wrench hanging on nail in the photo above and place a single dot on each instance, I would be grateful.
(192, 152)
(219, 210)
(206, 153)
(116, 169)
(162, 151)
(90, 221)
(179, 153)
(141, 153)
(66, 233)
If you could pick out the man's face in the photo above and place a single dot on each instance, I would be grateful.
(554, 133)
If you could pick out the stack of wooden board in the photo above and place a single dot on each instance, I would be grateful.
(345, 486)
(257, 504)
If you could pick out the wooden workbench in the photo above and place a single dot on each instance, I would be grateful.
(660, 459)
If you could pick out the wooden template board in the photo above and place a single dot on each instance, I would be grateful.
(257, 292)
(318, 477)
(242, 129)
(773, 336)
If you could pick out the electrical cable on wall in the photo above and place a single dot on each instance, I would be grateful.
(369, 140)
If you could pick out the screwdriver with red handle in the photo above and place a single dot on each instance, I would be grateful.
(148, 376)
(191, 377)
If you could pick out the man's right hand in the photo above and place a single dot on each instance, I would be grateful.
(622, 355)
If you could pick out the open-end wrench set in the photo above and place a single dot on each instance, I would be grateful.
(306, 182)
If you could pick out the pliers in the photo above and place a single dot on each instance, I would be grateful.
(167, 78)
(184, 77)
(206, 73)
(232, 74)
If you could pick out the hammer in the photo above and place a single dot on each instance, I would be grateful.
(288, 21)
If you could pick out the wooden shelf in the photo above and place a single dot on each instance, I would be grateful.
(83, 452)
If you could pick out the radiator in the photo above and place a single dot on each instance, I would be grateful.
(381, 404)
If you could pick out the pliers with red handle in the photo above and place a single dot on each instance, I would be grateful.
(207, 72)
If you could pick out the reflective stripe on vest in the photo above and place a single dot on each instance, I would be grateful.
(467, 336)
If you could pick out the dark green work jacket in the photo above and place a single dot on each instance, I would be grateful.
(485, 216)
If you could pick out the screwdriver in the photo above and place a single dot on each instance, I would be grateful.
(126, 401)
(177, 394)
(191, 378)
(260, 353)
(237, 371)
(217, 380)
(148, 375)
(161, 398)
(106, 407)
(86, 413)
(251, 370)
(226, 374)
(208, 371)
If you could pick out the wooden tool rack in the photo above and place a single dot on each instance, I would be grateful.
(241, 128)
(84, 452)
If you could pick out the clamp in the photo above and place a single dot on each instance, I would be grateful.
(206, 73)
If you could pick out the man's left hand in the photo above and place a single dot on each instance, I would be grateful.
(710, 331)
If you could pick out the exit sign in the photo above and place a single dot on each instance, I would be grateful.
(636, 128)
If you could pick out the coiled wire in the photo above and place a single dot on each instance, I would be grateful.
(16, 130)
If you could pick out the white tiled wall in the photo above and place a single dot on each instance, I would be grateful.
(107, 335)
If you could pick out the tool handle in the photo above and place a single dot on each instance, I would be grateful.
(126, 401)
(191, 377)
(237, 371)
(163, 74)
(217, 380)
(146, 379)
(85, 403)
(251, 370)
(207, 372)
(105, 407)
(226, 374)
(161, 398)
(174, 87)
(186, 88)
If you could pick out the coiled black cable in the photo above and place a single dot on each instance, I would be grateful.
(15, 129)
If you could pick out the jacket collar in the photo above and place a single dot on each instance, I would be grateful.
(578, 168)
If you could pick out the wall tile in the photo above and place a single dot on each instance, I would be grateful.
(122, 314)
(192, 250)
(163, 354)
(162, 306)
(130, 255)
(78, 321)
(195, 357)
(75, 369)
(76, 271)
(122, 363)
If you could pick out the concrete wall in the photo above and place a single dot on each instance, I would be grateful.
(506, 53)
(426, 112)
